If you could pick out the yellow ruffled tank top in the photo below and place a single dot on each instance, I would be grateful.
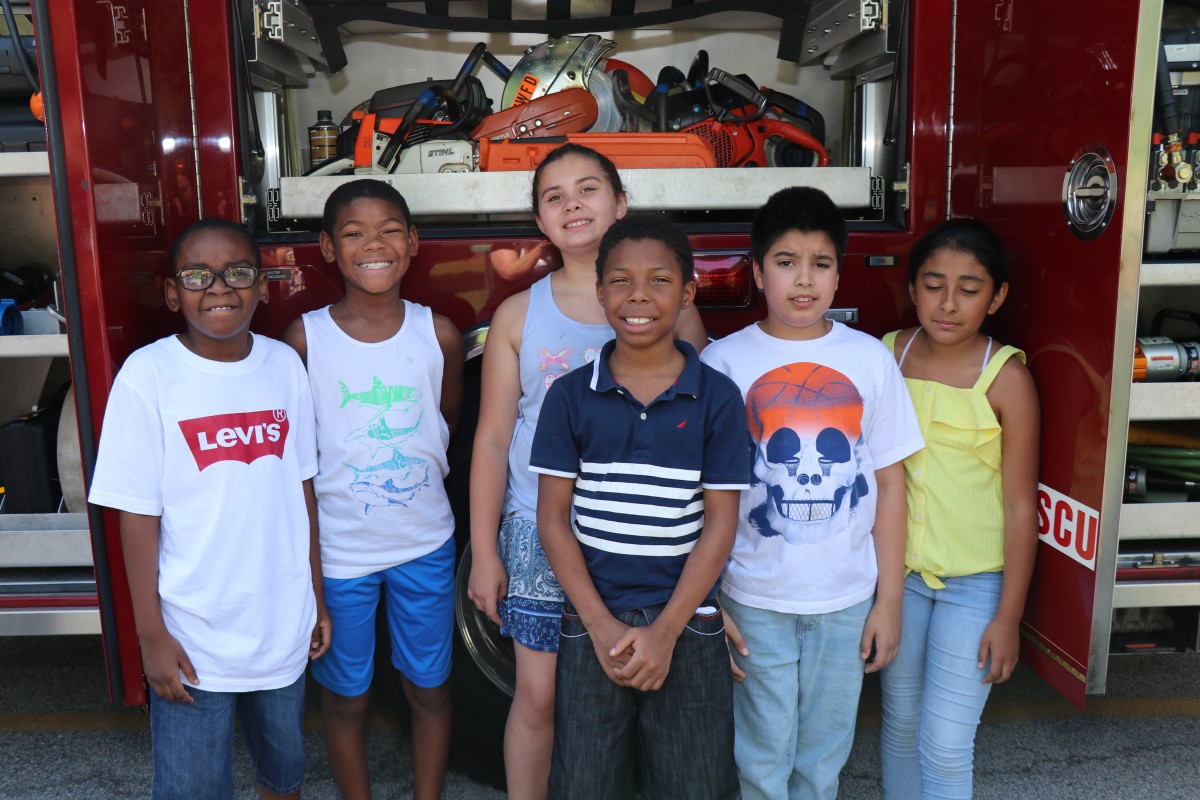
(954, 488)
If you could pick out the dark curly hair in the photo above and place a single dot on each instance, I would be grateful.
(654, 228)
(362, 189)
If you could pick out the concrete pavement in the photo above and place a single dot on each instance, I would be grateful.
(60, 738)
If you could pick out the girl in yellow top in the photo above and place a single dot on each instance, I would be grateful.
(972, 525)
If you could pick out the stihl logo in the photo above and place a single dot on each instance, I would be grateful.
(244, 437)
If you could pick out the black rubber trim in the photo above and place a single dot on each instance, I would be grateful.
(330, 15)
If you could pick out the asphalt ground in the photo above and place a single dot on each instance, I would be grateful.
(60, 738)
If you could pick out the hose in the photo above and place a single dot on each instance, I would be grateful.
(1168, 109)
(1176, 461)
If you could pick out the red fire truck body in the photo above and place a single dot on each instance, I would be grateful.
(1011, 111)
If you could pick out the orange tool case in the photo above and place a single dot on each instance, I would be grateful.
(625, 150)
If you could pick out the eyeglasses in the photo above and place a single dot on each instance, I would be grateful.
(198, 279)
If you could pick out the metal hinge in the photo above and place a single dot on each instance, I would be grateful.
(147, 205)
(274, 205)
(878, 192)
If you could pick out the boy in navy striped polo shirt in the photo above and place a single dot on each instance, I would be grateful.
(642, 456)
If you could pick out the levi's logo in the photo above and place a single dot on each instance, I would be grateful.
(246, 437)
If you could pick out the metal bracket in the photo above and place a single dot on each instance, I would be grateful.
(270, 20)
(249, 200)
(147, 204)
(901, 187)
(834, 22)
(274, 205)
(878, 192)
(872, 14)
(287, 22)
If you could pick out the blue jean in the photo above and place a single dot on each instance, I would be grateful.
(933, 693)
(796, 710)
(680, 737)
(192, 743)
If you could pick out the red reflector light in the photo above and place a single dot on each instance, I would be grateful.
(723, 280)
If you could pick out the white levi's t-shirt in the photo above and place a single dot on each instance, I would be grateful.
(219, 451)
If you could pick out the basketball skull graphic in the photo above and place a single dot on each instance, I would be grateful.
(806, 422)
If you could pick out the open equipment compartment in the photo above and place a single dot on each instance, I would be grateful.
(845, 74)
(845, 55)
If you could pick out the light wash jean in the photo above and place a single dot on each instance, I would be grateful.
(794, 714)
(933, 693)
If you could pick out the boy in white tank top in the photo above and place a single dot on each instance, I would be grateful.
(386, 377)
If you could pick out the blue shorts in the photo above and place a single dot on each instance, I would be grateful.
(532, 612)
(420, 615)
(191, 744)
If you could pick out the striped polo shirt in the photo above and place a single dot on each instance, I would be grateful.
(640, 471)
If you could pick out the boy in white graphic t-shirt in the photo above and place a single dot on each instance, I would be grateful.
(815, 578)
(208, 451)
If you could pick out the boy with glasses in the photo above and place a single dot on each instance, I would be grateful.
(208, 451)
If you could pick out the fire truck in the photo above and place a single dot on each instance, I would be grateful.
(1064, 125)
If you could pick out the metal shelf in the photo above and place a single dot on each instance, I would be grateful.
(45, 540)
(475, 193)
(1177, 273)
(1139, 594)
(69, 621)
(24, 165)
(1160, 521)
(51, 344)
(1150, 401)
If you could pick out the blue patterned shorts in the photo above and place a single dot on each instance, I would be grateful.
(532, 611)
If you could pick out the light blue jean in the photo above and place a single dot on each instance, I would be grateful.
(794, 714)
(933, 693)
(191, 744)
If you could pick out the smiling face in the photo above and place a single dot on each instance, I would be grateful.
(217, 317)
(576, 204)
(798, 279)
(643, 291)
(954, 294)
(371, 245)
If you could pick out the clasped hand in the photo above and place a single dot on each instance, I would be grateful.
(638, 658)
